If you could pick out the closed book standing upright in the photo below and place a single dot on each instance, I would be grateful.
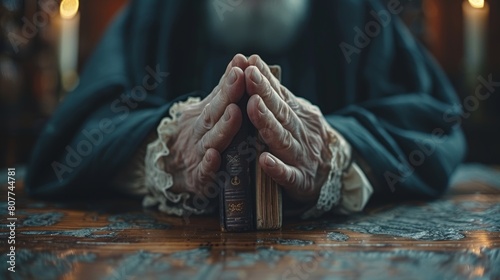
(249, 199)
(237, 195)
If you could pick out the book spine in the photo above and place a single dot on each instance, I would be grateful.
(237, 198)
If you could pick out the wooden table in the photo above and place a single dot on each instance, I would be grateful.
(457, 236)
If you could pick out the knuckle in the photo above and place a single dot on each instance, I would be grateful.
(284, 92)
(285, 116)
(223, 96)
(315, 147)
(204, 144)
(267, 91)
(214, 137)
(217, 87)
(206, 118)
(285, 141)
(217, 136)
(276, 86)
(266, 134)
(292, 104)
(291, 177)
(267, 122)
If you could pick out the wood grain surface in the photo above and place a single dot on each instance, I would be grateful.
(456, 237)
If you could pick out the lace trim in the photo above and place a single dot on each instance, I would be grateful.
(356, 191)
(331, 192)
(157, 180)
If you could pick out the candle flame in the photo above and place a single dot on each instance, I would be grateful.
(478, 4)
(69, 8)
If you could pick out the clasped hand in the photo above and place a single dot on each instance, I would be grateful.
(295, 131)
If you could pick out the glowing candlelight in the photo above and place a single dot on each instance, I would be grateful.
(476, 14)
(478, 4)
(69, 8)
(68, 43)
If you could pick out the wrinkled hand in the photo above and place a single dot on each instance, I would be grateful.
(205, 131)
(295, 131)
(297, 134)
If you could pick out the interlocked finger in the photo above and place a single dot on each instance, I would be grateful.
(257, 61)
(239, 61)
(231, 91)
(279, 140)
(220, 136)
(208, 166)
(257, 84)
(285, 175)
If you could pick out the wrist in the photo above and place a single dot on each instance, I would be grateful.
(166, 186)
(337, 161)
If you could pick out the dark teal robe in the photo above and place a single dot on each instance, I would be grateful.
(388, 98)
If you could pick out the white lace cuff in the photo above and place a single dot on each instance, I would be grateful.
(348, 190)
(345, 191)
(356, 191)
(156, 179)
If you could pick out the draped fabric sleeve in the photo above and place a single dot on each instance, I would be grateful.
(402, 118)
(122, 96)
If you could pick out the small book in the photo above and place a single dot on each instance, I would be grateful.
(249, 199)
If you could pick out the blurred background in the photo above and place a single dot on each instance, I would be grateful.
(45, 43)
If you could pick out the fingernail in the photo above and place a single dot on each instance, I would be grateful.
(270, 161)
(208, 158)
(262, 107)
(231, 78)
(256, 76)
(227, 116)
